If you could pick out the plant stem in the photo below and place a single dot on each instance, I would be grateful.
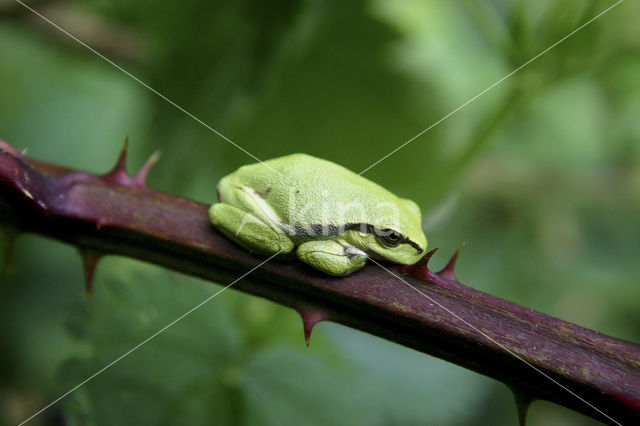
(488, 335)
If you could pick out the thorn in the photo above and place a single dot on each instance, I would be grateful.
(629, 401)
(140, 179)
(8, 148)
(23, 153)
(421, 267)
(447, 272)
(100, 222)
(310, 317)
(10, 235)
(423, 264)
(425, 259)
(122, 158)
(90, 259)
(119, 173)
(523, 401)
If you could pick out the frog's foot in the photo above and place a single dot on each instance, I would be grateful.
(248, 231)
(331, 257)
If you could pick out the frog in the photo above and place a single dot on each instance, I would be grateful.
(327, 216)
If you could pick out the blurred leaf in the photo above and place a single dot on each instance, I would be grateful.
(76, 113)
(539, 176)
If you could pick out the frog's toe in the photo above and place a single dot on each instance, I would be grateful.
(330, 257)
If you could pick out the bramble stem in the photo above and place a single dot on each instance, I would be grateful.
(112, 216)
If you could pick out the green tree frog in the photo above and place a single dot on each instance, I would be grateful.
(330, 217)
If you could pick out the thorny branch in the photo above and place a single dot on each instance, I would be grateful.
(117, 214)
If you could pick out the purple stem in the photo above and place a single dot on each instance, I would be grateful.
(111, 215)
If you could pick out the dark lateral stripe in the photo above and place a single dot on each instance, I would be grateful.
(319, 229)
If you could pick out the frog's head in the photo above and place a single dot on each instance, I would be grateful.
(396, 237)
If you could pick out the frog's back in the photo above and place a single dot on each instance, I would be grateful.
(303, 179)
(299, 168)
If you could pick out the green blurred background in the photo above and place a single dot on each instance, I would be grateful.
(539, 177)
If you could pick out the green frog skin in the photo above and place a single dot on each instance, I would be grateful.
(328, 216)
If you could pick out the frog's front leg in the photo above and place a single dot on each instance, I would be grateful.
(248, 231)
(332, 257)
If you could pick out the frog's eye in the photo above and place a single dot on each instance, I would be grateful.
(390, 238)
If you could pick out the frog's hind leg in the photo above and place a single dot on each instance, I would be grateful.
(248, 231)
(250, 201)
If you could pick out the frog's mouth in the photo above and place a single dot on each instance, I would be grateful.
(414, 245)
